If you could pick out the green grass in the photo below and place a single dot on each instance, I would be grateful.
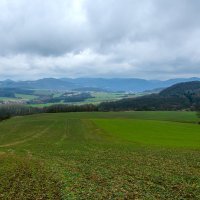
(104, 96)
(26, 96)
(7, 99)
(188, 117)
(164, 134)
(23, 182)
(115, 155)
(99, 97)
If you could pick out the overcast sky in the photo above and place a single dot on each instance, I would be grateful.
(152, 39)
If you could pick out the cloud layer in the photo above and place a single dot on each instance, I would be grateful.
(112, 38)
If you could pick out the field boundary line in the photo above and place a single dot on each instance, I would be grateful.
(26, 140)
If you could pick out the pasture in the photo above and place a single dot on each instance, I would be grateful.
(114, 155)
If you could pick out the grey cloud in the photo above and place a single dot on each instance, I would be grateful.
(43, 27)
(126, 38)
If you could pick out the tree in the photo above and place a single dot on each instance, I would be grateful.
(198, 111)
(4, 114)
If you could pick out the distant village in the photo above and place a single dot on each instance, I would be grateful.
(10, 102)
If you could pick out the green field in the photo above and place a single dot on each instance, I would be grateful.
(113, 155)
(7, 99)
(40, 95)
(26, 96)
(104, 96)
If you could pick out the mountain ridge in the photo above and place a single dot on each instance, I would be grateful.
(109, 84)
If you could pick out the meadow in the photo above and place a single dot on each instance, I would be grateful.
(38, 98)
(100, 155)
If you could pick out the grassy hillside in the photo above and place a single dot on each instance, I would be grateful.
(125, 155)
(156, 133)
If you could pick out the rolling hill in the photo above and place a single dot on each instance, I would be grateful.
(100, 156)
(181, 89)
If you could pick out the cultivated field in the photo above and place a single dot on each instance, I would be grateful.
(122, 155)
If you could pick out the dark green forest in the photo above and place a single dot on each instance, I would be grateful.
(182, 96)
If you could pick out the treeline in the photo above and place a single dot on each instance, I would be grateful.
(65, 98)
(150, 103)
(11, 92)
(7, 111)
(70, 108)
(147, 103)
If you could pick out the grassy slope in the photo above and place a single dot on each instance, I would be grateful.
(164, 134)
(83, 156)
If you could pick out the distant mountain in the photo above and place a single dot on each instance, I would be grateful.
(113, 84)
(46, 83)
(127, 84)
(182, 96)
(90, 89)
